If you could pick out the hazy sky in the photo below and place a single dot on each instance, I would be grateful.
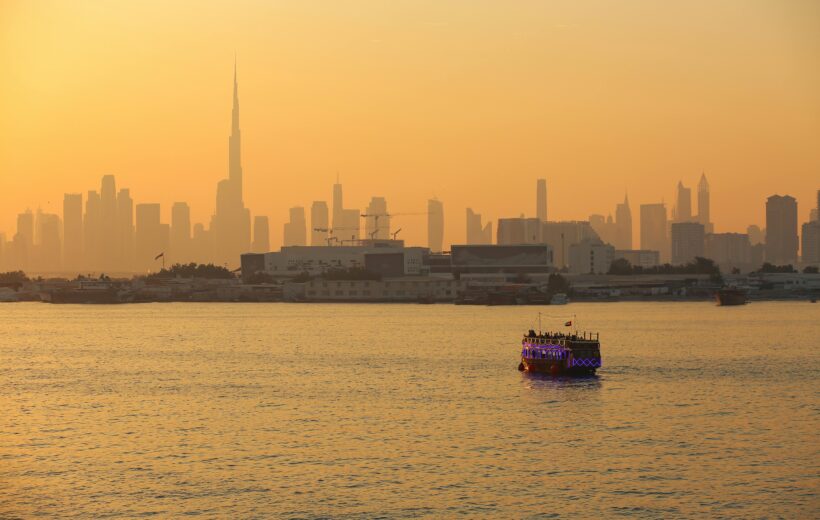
(469, 101)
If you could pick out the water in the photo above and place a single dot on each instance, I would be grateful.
(361, 411)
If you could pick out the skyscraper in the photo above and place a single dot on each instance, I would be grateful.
(261, 234)
(109, 241)
(704, 216)
(478, 234)
(653, 229)
(541, 200)
(149, 240)
(72, 231)
(377, 225)
(338, 204)
(125, 229)
(435, 225)
(688, 242)
(683, 208)
(623, 223)
(295, 232)
(49, 244)
(231, 224)
(92, 231)
(781, 230)
(810, 251)
(318, 222)
(180, 247)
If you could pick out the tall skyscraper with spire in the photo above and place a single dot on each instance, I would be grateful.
(623, 225)
(683, 208)
(231, 223)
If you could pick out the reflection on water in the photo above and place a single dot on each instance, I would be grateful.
(288, 410)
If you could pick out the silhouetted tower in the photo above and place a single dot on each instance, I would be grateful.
(781, 230)
(261, 234)
(623, 225)
(109, 241)
(125, 229)
(180, 248)
(683, 209)
(653, 229)
(319, 223)
(704, 216)
(73, 231)
(435, 225)
(541, 200)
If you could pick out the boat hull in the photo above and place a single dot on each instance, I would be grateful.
(730, 297)
(555, 368)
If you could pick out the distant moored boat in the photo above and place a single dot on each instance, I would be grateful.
(731, 296)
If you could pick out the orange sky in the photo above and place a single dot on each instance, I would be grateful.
(469, 101)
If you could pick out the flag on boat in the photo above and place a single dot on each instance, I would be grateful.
(568, 323)
(161, 255)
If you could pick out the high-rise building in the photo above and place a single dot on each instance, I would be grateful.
(109, 240)
(295, 233)
(590, 257)
(688, 241)
(180, 247)
(781, 230)
(231, 224)
(683, 208)
(338, 204)
(478, 234)
(377, 223)
(561, 235)
(520, 230)
(49, 243)
(704, 215)
(201, 246)
(149, 237)
(319, 223)
(261, 234)
(653, 229)
(125, 229)
(756, 235)
(811, 243)
(730, 251)
(541, 200)
(72, 231)
(623, 223)
(435, 225)
(605, 227)
(92, 231)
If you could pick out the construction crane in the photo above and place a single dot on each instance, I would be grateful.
(330, 238)
(376, 216)
(396, 232)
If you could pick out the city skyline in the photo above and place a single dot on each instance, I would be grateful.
(467, 143)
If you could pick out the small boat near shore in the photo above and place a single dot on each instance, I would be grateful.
(731, 296)
(90, 291)
(561, 354)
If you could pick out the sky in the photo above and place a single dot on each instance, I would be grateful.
(468, 101)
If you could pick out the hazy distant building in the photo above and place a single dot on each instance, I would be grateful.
(180, 247)
(49, 243)
(639, 257)
(125, 227)
(109, 239)
(688, 241)
(623, 223)
(72, 231)
(521, 230)
(346, 225)
(261, 235)
(653, 229)
(811, 243)
(295, 232)
(92, 231)
(605, 227)
(560, 235)
(756, 235)
(149, 237)
(201, 246)
(435, 225)
(590, 257)
(730, 251)
(319, 223)
(781, 230)
(814, 215)
(231, 223)
(704, 212)
(377, 223)
(478, 233)
(541, 200)
(683, 208)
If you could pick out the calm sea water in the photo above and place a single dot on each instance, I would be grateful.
(362, 411)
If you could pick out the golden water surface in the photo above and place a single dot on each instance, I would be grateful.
(361, 411)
